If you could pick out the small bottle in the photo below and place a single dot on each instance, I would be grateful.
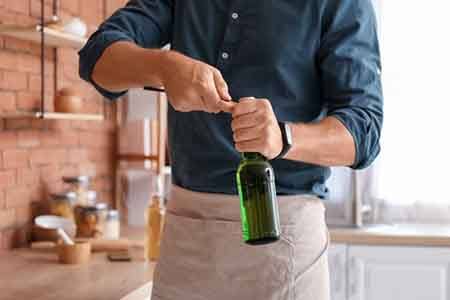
(259, 207)
(155, 223)
(112, 225)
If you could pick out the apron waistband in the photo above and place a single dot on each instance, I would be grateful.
(227, 207)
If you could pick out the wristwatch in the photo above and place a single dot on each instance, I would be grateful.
(286, 135)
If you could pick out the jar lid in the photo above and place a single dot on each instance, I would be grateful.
(113, 214)
(101, 206)
(78, 179)
(69, 196)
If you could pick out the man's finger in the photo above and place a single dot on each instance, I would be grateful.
(245, 106)
(226, 106)
(211, 98)
(249, 146)
(221, 86)
(246, 121)
(247, 134)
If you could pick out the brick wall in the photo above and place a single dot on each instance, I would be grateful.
(35, 154)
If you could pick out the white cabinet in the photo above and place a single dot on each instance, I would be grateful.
(398, 273)
(337, 259)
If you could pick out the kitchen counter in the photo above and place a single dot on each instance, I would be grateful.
(394, 235)
(36, 274)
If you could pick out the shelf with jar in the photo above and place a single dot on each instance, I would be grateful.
(54, 33)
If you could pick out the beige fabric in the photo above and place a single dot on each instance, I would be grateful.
(203, 256)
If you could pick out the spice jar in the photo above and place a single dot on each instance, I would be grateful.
(62, 205)
(90, 220)
(80, 185)
(112, 225)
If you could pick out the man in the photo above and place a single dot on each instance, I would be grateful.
(240, 77)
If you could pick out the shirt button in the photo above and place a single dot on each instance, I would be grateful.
(235, 16)
(225, 55)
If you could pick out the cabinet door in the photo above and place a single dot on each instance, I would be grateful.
(337, 259)
(398, 273)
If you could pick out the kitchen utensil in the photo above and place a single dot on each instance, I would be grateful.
(57, 223)
(78, 253)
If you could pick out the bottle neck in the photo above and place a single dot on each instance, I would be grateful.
(252, 156)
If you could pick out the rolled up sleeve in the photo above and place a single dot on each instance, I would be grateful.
(148, 23)
(349, 60)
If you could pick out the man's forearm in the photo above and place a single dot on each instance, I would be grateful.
(326, 143)
(124, 65)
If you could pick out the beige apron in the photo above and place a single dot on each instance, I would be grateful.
(203, 256)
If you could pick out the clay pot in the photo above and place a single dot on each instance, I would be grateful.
(68, 101)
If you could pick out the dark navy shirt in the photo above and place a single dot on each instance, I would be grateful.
(310, 58)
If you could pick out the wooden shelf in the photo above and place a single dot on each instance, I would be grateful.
(53, 116)
(137, 157)
(53, 38)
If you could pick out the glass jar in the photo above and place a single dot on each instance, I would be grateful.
(90, 220)
(79, 185)
(112, 225)
(62, 205)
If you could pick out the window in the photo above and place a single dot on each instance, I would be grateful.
(415, 161)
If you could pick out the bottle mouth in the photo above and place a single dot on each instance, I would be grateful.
(252, 155)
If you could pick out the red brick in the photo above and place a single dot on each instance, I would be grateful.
(7, 101)
(7, 218)
(2, 200)
(34, 83)
(48, 156)
(50, 174)
(19, 6)
(90, 139)
(29, 63)
(18, 123)
(68, 138)
(69, 170)
(8, 139)
(50, 138)
(17, 196)
(28, 138)
(8, 239)
(15, 159)
(91, 11)
(87, 169)
(14, 81)
(23, 215)
(38, 192)
(8, 60)
(77, 155)
(58, 124)
(35, 8)
(28, 101)
(7, 179)
(71, 6)
(27, 176)
(16, 44)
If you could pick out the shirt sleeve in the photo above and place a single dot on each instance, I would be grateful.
(148, 23)
(350, 68)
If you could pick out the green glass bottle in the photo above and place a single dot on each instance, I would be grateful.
(259, 208)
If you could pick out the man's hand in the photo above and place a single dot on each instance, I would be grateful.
(192, 85)
(255, 128)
